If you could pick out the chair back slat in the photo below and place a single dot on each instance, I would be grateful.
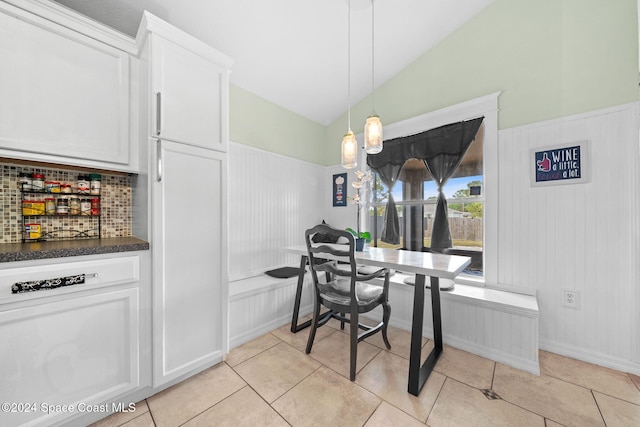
(338, 252)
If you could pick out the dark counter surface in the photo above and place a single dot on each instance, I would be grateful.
(10, 252)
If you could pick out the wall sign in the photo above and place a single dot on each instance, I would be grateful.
(561, 164)
(340, 189)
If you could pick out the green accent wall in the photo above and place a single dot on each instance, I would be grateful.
(550, 59)
(262, 124)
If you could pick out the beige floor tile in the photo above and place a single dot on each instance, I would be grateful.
(251, 348)
(461, 405)
(243, 408)
(387, 415)
(635, 379)
(399, 339)
(608, 381)
(326, 398)
(274, 371)
(193, 396)
(143, 420)
(550, 423)
(299, 339)
(465, 367)
(120, 418)
(387, 376)
(560, 401)
(616, 412)
(334, 353)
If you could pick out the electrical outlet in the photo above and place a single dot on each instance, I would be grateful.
(570, 298)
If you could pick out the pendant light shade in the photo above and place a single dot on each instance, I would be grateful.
(373, 134)
(349, 151)
(373, 125)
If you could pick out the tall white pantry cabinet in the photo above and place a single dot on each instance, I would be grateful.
(184, 88)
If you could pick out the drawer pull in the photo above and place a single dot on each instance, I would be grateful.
(38, 285)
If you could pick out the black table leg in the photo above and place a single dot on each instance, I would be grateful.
(418, 374)
(296, 307)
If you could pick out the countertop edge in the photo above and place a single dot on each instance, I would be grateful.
(12, 252)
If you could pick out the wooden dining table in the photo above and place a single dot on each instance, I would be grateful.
(422, 264)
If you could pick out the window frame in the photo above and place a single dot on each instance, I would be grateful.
(486, 106)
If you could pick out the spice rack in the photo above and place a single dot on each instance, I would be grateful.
(37, 209)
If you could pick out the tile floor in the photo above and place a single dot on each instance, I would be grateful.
(270, 381)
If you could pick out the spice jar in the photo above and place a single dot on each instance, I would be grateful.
(65, 188)
(85, 207)
(32, 231)
(24, 181)
(52, 186)
(37, 182)
(83, 184)
(32, 207)
(95, 206)
(74, 205)
(50, 206)
(62, 206)
(95, 183)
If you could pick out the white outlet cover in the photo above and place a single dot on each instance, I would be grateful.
(571, 298)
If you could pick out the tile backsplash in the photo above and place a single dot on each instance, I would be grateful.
(115, 205)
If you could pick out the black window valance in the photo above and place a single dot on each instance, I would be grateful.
(442, 150)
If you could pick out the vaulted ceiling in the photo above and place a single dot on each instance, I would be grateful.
(294, 53)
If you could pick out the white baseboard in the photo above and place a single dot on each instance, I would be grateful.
(590, 356)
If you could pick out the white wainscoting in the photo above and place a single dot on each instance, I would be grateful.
(582, 237)
(498, 325)
(273, 199)
(261, 304)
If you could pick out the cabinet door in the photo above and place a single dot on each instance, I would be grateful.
(79, 352)
(64, 95)
(190, 94)
(189, 260)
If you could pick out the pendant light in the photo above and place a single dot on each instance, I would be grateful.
(373, 125)
(349, 143)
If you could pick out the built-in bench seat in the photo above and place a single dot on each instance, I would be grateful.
(261, 303)
(494, 298)
(499, 325)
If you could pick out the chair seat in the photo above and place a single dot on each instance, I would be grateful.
(337, 292)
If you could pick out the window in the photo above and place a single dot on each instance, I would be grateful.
(415, 194)
(479, 164)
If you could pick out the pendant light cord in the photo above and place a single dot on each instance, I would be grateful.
(373, 78)
(349, 69)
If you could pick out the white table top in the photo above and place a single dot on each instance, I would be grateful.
(425, 263)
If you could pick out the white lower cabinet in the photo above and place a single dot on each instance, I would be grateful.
(67, 352)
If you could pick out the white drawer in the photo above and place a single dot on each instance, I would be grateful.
(98, 274)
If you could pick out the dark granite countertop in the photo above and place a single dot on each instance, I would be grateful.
(10, 252)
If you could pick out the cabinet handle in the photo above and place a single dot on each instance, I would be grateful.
(159, 158)
(158, 113)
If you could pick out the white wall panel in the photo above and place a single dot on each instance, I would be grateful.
(255, 313)
(582, 236)
(272, 200)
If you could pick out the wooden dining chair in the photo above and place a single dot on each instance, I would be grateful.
(344, 291)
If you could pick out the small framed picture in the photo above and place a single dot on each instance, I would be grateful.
(340, 189)
(560, 164)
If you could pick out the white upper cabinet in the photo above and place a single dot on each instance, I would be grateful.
(65, 95)
(189, 88)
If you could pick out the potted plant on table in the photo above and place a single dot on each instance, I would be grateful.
(360, 185)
